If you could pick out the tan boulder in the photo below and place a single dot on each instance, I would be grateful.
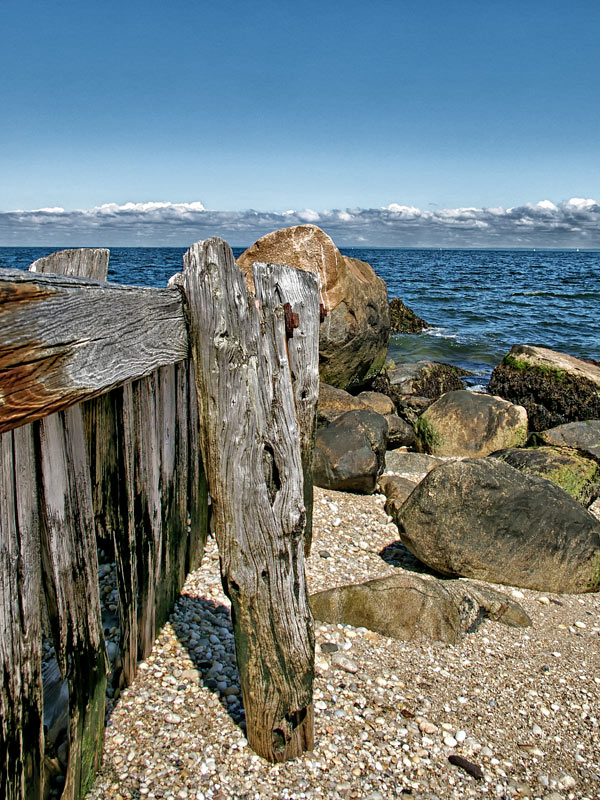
(354, 334)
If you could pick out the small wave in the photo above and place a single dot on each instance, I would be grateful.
(478, 387)
(441, 333)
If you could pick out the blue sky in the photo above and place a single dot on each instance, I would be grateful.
(275, 107)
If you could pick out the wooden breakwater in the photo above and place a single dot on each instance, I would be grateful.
(112, 399)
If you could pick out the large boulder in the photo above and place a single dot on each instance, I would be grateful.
(377, 401)
(406, 606)
(403, 319)
(577, 475)
(464, 423)
(555, 388)
(350, 452)
(583, 436)
(415, 464)
(481, 518)
(354, 335)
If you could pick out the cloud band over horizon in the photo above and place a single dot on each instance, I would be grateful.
(575, 223)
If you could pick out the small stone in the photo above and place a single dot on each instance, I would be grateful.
(173, 719)
(450, 741)
(566, 782)
(579, 624)
(427, 727)
(460, 736)
(345, 663)
(517, 594)
(543, 600)
(329, 647)
(485, 751)
(324, 554)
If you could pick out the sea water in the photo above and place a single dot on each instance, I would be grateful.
(477, 302)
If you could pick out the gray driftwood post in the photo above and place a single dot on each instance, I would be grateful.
(68, 546)
(251, 447)
(21, 701)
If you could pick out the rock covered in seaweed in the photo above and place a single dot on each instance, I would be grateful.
(481, 518)
(354, 335)
(464, 423)
(407, 606)
(554, 387)
(577, 475)
(583, 436)
(403, 319)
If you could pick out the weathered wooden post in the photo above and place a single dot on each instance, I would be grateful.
(251, 447)
(68, 547)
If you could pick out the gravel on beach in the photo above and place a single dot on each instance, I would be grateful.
(517, 709)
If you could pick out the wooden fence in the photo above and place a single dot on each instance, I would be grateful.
(111, 400)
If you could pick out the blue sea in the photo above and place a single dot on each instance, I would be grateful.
(478, 302)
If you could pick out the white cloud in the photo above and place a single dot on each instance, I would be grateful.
(575, 223)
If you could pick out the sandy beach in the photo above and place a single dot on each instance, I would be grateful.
(520, 704)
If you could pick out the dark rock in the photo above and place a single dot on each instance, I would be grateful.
(408, 607)
(400, 433)
(421, 379)
(350, 452)
(334, 402)
(555, 388)
(354, 334)
(468, 766)
(324, 554)
(403, 319)
(329, 647)
(577, 475)
(463, 423)
(483, 519)
(583, 436)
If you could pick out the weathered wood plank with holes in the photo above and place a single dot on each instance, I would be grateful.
(251, 448)
(68, 539)
(64, 340)
(21, 702)
(295, 290)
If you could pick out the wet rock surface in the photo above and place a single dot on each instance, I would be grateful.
(403, 319)
(519, 704)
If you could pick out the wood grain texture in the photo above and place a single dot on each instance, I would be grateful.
(71, 585)
(83, 262)
(251, 449)
(68, 544)
(298, 291)
(64, 340)
(21, 701)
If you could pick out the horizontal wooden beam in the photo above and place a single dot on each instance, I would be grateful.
(64, 340)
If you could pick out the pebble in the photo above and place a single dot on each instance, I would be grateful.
(345, 663)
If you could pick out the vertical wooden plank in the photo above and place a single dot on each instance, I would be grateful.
(70, 557)
(197, 490)
(295, 289)
(21, 700)
(251, 448)
(71, 585)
